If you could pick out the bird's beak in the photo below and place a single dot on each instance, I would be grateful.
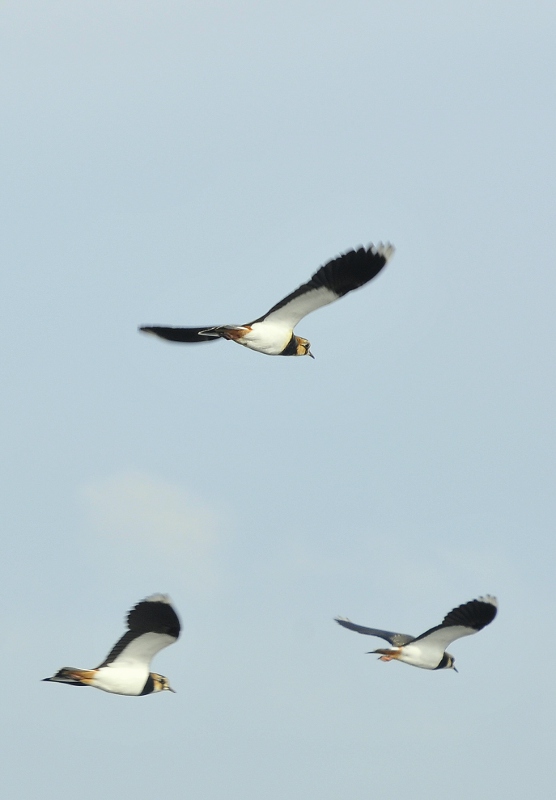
(310, 354)
(455, 670)
(171, 690)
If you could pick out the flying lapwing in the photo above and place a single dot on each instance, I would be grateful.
(428, 651)
(272, 333)
(152, 624)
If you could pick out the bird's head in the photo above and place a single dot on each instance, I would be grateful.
(303, 347)
(161, 684)
(449, 662)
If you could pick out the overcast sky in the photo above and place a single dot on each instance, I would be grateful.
(192, 163)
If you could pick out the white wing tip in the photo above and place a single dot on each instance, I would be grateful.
(387, 250)
(158, 598)
(488, 598)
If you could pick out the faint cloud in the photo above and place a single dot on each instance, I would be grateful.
(147, 514)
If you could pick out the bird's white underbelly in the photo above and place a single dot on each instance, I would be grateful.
(267, 337)
(423, 657)
(121, 680)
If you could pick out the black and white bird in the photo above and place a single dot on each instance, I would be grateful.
(152, 624)
(428, 650)
(272, 333)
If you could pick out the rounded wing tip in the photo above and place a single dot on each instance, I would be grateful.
(386, 250)
(489, 598)
(158, 598)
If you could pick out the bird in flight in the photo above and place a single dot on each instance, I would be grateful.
(428, 650)
(272, 333)
(152, 624)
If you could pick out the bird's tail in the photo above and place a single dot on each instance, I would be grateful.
(73, 676)
(386, 654)
(212, 333)
(225, 332)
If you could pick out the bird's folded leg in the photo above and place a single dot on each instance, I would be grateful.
(386, 655)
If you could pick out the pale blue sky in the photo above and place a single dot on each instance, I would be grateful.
(192, 163)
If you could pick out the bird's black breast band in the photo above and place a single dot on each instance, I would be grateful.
(291, 348)
(148, 688)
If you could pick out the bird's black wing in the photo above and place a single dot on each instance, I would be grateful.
(464, 620)
(152, 615)
(189, 335)
(335, 279)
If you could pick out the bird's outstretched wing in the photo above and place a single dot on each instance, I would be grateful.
(153, 624)
(189, 335)
(397, 639)
(462, 621)
(335, 279)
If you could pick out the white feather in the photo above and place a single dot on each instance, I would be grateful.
(142, 650)
(290, 314)
(268, 337)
